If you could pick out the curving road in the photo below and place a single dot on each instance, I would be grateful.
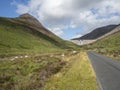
(107, 71)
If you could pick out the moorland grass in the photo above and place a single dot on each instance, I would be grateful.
(28, 73)
(77, 75)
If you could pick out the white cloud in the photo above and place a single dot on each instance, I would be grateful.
(77, 36)
(22, 9)
(57, 31)
(59, 14)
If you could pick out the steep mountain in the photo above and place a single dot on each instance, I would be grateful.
(25, 34)
(32, 22)
(30, 19)
(96, 34)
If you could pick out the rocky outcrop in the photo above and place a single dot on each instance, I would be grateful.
(82, 42)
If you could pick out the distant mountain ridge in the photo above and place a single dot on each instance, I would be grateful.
(96, 34)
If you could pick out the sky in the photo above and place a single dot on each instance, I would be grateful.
(66, 18)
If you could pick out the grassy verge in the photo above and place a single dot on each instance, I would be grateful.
(77, 75)
(28, 73)
(112, 54)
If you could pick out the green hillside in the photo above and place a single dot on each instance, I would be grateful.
(109, 45)
(26, 35)
(17, 36)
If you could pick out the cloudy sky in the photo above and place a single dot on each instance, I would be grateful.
(66, 18)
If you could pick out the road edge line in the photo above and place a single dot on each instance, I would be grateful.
(97, 79)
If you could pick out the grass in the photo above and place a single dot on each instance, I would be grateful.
(28, 73)
(17, 38)
(17, 41)
(77, 75)
(109, 43)
(72, 72)
(32, 73)
(109, 46)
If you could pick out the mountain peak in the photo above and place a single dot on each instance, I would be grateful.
(26, 15)
(31, 19)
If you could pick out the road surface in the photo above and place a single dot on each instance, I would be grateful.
(107, 71)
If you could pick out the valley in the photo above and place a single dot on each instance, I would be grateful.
(34, 58)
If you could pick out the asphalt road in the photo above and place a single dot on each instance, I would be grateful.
(107, 71)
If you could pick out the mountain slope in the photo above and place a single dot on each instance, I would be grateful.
(25, 34)
(98, 32)
(109, 45)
